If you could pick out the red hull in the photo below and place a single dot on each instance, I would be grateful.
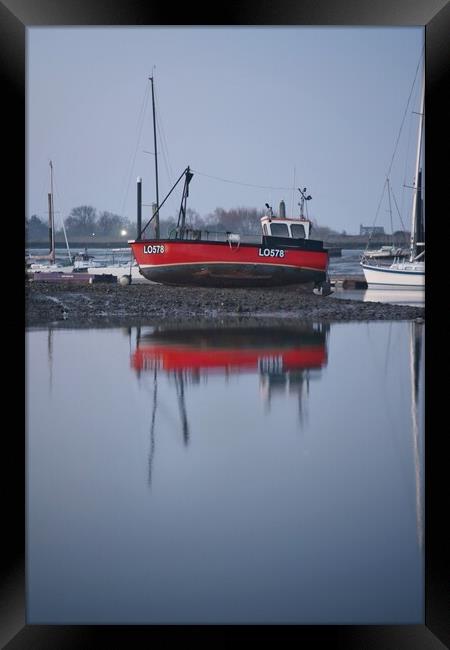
(228, 264)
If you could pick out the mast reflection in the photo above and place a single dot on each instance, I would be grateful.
(416, 359)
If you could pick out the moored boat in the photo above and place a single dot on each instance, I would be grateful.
(406, 273)
(409, 275)
(386, 253)
(284, 253)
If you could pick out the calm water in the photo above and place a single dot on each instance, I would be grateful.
(209, 476)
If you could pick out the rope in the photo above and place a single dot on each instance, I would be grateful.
(162, 137)
(396, 143)
(225, 180)
(399, 215)
(139, 126)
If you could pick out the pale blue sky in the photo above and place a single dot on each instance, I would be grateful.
(253, 105)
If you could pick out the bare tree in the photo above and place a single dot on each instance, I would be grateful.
(82, 220)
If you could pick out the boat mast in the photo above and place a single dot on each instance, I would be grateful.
(51, 217)
(413, 239)
(156, 164)
(390, 209)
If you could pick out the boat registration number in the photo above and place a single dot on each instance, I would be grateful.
(271, 252)
(158, 248)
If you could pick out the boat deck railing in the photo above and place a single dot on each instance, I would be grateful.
(192, 234)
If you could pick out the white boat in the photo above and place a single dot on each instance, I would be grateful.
(386, 252)
(125, 273)
(118, 262)
(410, 273)
(47, 263)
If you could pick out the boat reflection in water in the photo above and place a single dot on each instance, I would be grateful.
(395, 296)
(283, 358)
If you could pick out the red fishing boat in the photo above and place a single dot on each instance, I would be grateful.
(284, 254)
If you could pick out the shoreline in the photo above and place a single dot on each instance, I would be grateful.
(110, 305)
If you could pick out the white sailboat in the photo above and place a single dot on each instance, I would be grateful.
(47, 263)
(406, 273)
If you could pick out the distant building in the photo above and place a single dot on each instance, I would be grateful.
(371, 230)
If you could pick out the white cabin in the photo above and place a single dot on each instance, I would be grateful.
(283, 227)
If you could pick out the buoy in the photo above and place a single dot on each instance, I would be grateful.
(125, 280)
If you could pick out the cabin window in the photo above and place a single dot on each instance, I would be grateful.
(298, 231)
(279, 229)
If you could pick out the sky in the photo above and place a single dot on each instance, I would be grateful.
(256, 113)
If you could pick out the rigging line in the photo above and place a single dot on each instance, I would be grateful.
(55, 188)
(43, 192)
(139, 126)
(399, 215)
(399, 133)
(163, 138)
(163, 150)
(225, 180)
(406, 110)
(164, 157)
(62, 218)
(376, 214)
(406, 163)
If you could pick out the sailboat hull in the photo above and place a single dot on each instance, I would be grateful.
(221, 264)
(403, 275)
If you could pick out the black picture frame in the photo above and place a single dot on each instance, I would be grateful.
(15, 17)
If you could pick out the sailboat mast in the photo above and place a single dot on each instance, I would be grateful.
(156, 164)
(413, 239)
(51, 218)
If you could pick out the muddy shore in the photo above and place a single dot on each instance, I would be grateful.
(97, 305)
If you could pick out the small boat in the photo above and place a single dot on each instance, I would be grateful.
(405, 273)
(386, 253)
(82, 261)
(47, 263)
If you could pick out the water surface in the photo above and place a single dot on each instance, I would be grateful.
(209, 476)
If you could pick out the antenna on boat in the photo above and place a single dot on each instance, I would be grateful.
(156, 213)
(302, 200)
(269, 208)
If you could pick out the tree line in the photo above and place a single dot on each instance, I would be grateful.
(85, 221)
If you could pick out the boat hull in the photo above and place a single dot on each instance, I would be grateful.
(402, 275)
(221, 264)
